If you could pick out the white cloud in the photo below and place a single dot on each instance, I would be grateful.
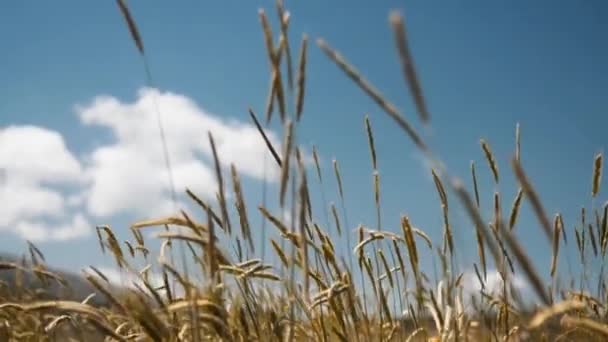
(35, 163)
(126, 279)
(130, 174)
(38, 231)
(494, 285)
(49, 194)
(31, 155)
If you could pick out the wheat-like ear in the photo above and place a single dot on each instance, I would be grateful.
(597, 174)
(334, 213)
(205, 207)
(407, 64)
(287, 149)
(284, 19)
(338, 178)
(301, 78)
(556, 234)
(387, 268)
(241, 207)
(270, 98)
(274, 59)
(475, 187)
(526, 265)
(440, 189)
(604, 229)
(475, 216)
(490, 158)
(370, 141)
(533, 197)
(515, 208)
(570, 322)
(557, 309)
(220, 181)
(271, 148)
(131, 24)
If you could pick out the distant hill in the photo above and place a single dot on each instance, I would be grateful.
(75, 286)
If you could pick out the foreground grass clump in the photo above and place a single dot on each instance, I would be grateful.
(378, 291)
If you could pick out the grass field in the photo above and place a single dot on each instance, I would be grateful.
(378, 292)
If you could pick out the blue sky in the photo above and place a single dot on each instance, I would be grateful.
(483, 65)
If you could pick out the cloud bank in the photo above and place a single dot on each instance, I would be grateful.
(49, 194)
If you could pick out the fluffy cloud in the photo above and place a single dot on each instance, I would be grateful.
(125, 279)
(35, 165)
(494, 285)
(38, 173)
(31, 155)
(134, 162)
(40, 231)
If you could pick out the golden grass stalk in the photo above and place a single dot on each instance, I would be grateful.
(407, 64)
(475, 187)
(597, 175)
(315, 157)
(131, 24)
(371, 91)
(107, 293)
(560, 222)
(280, 252)
(515, 208)
(338, 178)
(284, 18)
(35, 253)
(592, 238)
(533, 197)
(376, 176)
(480, 244)
(604, 228)
(152, 324)
(274, 59)
(408, 235)
(527, 266)
(302, 225)
(130, 248)
(57, 321)
(480, 227)
(556, 234)
(560, 308)
(287, 149)
(60, 305)
(170, 220)
(370, 141)
(301, 78)
(100, 239)
(114, 245)
(440, 189)
(275, 221)
(241, 207)
(585, 323)
(220, 182)
(206, 208)
(387, 268)
(497, 210)
(415, 333)
(272, 150)
(490, 158)
(270, 98)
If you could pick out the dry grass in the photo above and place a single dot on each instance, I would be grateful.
(241, 298)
